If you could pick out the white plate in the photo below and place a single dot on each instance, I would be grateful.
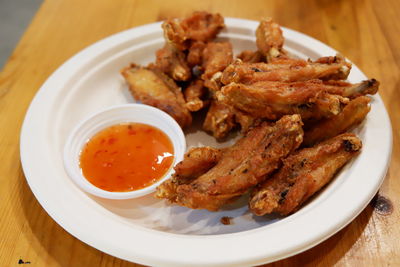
(150, 231)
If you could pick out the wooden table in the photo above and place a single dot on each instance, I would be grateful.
(366, 31)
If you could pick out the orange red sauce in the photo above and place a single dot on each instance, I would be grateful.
(126, 157)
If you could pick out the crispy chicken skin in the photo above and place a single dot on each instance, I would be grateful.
(199, 26)
(196, 162)
(216, 57)
(285, 70)
(154, 88)
(337, 60)
(173, 63)
(220, 120)
(246, 121)
(367, 87)
(351, 115)
(272, 100)
(249, 56)
(270, 39)
(194, 94)
(303, 173)
(195, 53)
(241, 166)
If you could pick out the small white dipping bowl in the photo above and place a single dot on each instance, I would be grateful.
(128, 113)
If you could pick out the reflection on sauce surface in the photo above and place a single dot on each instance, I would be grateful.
(126, 157)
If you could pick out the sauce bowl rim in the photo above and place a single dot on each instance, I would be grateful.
(118, 114)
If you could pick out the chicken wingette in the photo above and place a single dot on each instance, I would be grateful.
(239, 168)
(303, 174)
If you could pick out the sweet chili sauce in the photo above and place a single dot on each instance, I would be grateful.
(126, 157)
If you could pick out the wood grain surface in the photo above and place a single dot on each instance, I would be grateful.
(365, 31)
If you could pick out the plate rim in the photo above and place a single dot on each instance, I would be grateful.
(153, 259)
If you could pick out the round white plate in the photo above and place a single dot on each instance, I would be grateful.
(150, 231)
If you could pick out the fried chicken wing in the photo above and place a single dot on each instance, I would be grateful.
(246, 121)
(285, 70)
(200, 26)
(195, 53)
(337, 60)
(172, 62)
(154, 88)
(270, 39)
(303, 173)
(272, 100)
(241, 166)
(216, 57)
(196, 162)
(194, 94)
(249, 56)
(269, 94)
(351, 115)
(220, 120)
(368, 87)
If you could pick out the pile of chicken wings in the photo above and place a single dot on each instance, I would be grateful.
(294, 115)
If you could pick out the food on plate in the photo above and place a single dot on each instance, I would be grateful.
(285, 70)
(199, 27)
(272, 100)
(172, 62)
(239, 168)
(152, 87)
(351, 115)
(219, 120)
(268, 84)
(249, 56)
(194, 95)
(368, 87)
(266, 93)
(270, 40)
(245, 120)
(126, 157)
(216, 57)
(189, 44)
(303, 173)
(196, 162)
(195, 54)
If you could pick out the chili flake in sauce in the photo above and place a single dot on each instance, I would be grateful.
(126, 157)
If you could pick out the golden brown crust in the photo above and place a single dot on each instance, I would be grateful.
(195, 53)
(219, 120)
(246, 121)
(249, 56)
(261, 85)
(196, 162)
(194, 95)
(172, 62)
(303, 173)
(351, 115)
(216, 57)
(270, 39)
(272, 100)
(342, 88)
(199, 26)
(241, 166)
(285, 70)
(152, 87)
